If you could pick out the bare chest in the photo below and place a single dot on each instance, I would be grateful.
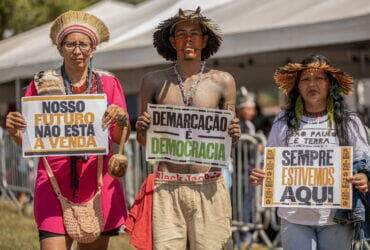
(206, 93)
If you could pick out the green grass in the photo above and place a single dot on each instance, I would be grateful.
(18, 231)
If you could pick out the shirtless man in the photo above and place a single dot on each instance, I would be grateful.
(195, 215)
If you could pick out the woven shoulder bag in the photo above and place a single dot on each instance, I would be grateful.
(83, 221)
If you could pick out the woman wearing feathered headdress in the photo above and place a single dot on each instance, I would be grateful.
(80, 179)
(315, 106)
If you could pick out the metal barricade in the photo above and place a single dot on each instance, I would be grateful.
(138, 169)
(250, 220)
(17, 173)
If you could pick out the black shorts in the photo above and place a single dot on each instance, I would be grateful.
(45, 234)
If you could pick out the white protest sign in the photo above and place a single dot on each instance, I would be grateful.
(64, 125)
(310, 177)
(189, 135)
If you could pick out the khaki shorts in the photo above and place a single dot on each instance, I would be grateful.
(191, 212)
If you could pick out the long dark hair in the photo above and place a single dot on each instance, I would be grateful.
(342, 116)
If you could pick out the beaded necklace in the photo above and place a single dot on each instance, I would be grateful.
(67, 82)
(188, 97)
(73, 159)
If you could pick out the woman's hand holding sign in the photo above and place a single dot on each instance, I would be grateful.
(256, 176)
(15, 123)
(360, 182)
(116, 115)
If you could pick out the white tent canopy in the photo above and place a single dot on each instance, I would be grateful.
(249, 26)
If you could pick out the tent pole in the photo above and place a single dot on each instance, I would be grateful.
(18, 94)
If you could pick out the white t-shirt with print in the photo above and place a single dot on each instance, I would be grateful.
(315, 132)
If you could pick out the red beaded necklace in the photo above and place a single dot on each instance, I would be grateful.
(85, 87)
(82, 89)
(79, 89)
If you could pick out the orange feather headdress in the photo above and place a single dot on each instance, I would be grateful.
(285, 77)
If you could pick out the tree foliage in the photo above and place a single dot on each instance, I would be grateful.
(132, 1)
(6, 10)
(17, 16)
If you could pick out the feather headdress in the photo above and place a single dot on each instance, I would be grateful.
(285, 77)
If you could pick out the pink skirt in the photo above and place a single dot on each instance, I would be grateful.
(48, 211)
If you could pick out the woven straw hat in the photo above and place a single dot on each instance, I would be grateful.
(285, 77)
(79, 21)
(161, 37)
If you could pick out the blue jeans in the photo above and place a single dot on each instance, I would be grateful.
(304, 237)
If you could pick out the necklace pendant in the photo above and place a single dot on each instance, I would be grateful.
(189, 102)
(188, 97)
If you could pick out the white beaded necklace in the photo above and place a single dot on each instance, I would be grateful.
(188, 97)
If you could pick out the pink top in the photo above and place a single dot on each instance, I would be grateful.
(48, 212)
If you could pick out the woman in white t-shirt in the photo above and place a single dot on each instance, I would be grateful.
(316, 116)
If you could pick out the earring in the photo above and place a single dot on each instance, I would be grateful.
(330, 110)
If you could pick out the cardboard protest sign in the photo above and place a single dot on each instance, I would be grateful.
(189, 135)
(64, 125)
(309, 177)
